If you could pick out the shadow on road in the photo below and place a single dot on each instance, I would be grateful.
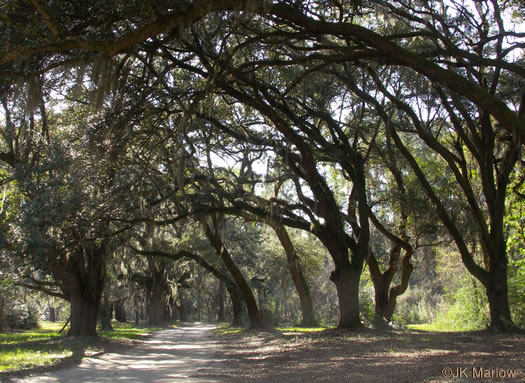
(183, 354)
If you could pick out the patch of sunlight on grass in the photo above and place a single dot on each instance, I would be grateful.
(431, 327)
(46, 331)
(230, 330)
(127, 331)
(51, 326)
(23, 356)
(303, 329)
(224, 328)
(44, 346)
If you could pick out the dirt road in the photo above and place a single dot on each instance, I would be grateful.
(184, 354)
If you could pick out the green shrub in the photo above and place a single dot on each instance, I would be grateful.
(466, 308)
(366, 299)
(367, 308)
(21, 316)
(517, 292)
(416, 306)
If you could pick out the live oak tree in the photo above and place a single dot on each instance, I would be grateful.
(403, 217)
(68, 179)
(481, 161)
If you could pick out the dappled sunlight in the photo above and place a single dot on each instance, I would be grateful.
(367, 357)
(182, 354)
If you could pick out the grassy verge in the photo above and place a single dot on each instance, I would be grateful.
(128, 331)
(432, 327)
(45, 346)
(46, 331)
(301, 330)
(224, 328)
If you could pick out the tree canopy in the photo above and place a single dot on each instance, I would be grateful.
(377, 127)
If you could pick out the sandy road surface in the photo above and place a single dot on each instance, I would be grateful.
(184, 354)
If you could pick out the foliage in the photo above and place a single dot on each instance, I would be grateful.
(515, 224)
(226, 329)
(366, 299)
(21, 316)
(464, 303)
(416, 306)
(465, 309)
(517, 291)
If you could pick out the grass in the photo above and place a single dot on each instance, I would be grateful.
(127, 331)
(29, 336)
(23, 350)
(224, 328)
(431, 327)
(32, 355)
(302, 329)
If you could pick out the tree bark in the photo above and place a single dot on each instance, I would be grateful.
(496, 288)
(233, 289)
(182, 311)
(347, 285)
(158, 302)
(332, 231)
(82, 275)
(158, 289)
(400, 288)
(305, 299)
(386, 296)
(246, 291)
(84, 314)
(52, 314)
(236, 300)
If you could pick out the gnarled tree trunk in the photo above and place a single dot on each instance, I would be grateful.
(236, 300)
(52, 314)
(106, 310)
(82, 275)
(347, 285)
(496, 287)
(159, 296)
(386, 296)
